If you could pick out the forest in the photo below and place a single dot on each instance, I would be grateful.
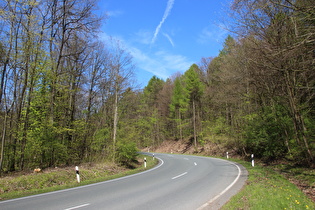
(67, 97)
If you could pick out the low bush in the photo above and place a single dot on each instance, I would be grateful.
(127, 153)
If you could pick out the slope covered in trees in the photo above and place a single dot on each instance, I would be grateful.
(62, 103)
(259, 91)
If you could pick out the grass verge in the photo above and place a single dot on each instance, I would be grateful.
(267, 189)
(59, 179)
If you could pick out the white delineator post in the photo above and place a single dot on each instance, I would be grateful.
(77, 173)
(253, 162)
(145, 162)
(153, 156)
(227, 155)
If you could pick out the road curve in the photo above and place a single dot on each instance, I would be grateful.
(177, 182)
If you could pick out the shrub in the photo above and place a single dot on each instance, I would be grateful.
(127, 153)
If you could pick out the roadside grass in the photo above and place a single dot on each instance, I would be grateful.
(267, 189)
(59, 179)
(303, 177)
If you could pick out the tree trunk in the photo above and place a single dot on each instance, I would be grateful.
(3, 141)
(299, 125)
(115, 118)
(180, 125)
(194, 124)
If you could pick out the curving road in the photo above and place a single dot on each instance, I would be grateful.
(178, 182)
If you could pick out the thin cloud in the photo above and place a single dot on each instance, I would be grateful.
(173, 62)
(148, 63)
(161, 63)
(166, 13)
(212, 33)
(143, 37)
(169, 39)
(115, 13)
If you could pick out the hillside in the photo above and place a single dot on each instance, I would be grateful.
(187, 147)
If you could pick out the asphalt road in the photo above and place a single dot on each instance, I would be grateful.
(178, 182)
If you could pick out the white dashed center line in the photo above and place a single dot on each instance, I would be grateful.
(76, 207)
(175, 177)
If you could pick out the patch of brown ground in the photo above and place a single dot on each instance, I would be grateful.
(305, 186)
(187, 147)
(306, 189)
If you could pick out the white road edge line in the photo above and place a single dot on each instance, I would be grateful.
(76, 207)
(224, 191)
(175, 177)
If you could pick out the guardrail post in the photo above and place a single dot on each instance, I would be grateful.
(77, 173)
(253, 162)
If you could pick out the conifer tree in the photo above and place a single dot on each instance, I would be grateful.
(179, 103)
(195, 89)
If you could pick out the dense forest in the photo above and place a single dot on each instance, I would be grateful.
(66, 97)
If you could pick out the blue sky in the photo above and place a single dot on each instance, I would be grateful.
(165, 36)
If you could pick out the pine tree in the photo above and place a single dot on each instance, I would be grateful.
(179, 103)
(195, 89)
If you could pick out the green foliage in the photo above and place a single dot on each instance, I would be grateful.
(193, 83)
(127, 152)
(267, 132)
(152, 90)
(217, 132)
(179, 100)
(100, 140)
(144, 130)
(229, 45)
(220, 126)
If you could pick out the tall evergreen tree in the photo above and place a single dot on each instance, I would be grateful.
(195, 89)
(179, 103)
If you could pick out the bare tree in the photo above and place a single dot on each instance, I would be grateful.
(121, 68)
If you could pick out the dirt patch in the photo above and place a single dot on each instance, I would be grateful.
(187, 147)
(306, 189)
(171, 146)
(303, 182)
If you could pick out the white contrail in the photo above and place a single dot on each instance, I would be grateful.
(169, 39)
(166, 13)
